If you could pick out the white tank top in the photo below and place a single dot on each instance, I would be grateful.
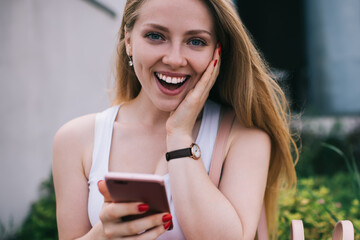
(100, 159)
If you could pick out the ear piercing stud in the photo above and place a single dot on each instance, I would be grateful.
(131, 63)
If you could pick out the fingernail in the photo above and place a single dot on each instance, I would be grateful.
(219, 48)
(143, 207)
(99, 182)
(167, 225)
(215, 62)
(166, 218)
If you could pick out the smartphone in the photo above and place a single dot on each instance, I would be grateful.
(137, 187)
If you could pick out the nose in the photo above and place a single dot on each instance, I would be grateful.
(174, 56)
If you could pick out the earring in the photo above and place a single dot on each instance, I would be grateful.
(131, 63)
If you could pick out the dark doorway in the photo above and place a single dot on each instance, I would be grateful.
(277, 28)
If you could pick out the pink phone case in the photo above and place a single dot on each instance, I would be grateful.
(136, 187)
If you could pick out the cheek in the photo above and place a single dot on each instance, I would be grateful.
(201, 62)
(144, 60)
(143, 57)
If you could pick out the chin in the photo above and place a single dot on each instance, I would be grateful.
(168, 106)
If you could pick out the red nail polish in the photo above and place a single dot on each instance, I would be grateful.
(167, 225)
(215, 62)
(166, 218)
(99, 182)
(219, 49)
(143, 207)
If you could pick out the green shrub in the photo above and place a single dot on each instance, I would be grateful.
(319, 202)
(40, 223)
(315, 159)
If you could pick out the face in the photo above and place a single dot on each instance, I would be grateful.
(172, 43)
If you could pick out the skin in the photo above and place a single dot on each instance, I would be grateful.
(157, 122)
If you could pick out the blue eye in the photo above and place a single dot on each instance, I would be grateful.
(154, 36)
(197, 42)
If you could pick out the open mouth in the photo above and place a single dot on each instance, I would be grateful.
(171, 83)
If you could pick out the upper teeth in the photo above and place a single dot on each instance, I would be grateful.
(173, 80)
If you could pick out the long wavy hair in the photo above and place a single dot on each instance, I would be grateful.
(245, 83)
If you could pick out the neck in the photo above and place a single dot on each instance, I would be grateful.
(142, 111)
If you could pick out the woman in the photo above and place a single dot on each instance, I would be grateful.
(170, 55)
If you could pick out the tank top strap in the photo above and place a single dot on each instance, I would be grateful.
(104, 124)
(208, 131)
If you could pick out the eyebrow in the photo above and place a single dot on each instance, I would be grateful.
(190, 32)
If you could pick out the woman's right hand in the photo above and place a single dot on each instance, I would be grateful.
(149, 227)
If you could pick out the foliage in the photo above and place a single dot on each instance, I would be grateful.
(328, 185)
(352, 168)
(315, 159)
(40, 223)
(6, 231)
(319, 202)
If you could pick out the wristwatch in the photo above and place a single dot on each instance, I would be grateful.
(193, 151)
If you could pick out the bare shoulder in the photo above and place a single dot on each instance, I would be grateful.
(240, 131)
(73, 143)
(246, 165)
(249, 141)
(76, 132)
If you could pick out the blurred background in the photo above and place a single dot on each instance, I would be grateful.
(56, 59)
(55, 65)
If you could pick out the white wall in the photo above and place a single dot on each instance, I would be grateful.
(55, 64)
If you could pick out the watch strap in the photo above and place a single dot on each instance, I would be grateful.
(185, 152)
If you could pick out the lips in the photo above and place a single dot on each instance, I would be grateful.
(171, 81)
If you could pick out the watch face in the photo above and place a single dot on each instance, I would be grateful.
(196, 151)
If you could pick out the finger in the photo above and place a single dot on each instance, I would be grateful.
(209, 76)
(139, 226)
(205, 83)
(201, 91)
(213, 76)
(153, 233)
(216, 69)
(145, 224)
(217, 51)
(114, 211)
(104, 191)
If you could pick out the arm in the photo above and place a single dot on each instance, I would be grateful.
(204, 211)
(234, 211)
(245, 171)
(71, 157)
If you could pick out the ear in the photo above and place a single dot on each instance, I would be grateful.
(128, 42)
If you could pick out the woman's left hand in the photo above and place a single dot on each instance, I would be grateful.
(181, 121)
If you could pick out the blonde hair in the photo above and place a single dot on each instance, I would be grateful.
(244, 83)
